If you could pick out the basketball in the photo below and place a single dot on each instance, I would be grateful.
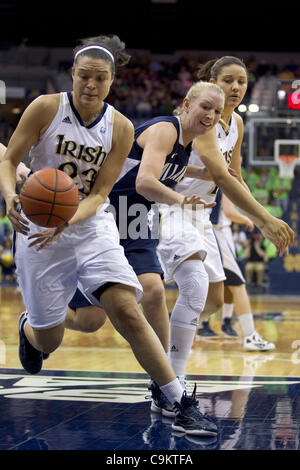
(49, 197)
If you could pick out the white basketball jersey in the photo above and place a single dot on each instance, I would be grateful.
(208, 189)
(223, 221)
(72, 147)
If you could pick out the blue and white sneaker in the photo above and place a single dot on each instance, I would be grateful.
(190, 420)
(30, 358)
(160, 404)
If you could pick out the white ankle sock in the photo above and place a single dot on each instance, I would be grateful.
(227, 311)
(173, 391)
(247, 323)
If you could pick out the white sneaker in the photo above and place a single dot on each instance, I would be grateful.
(254, 342)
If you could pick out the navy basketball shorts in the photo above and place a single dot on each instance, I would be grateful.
(141, 255)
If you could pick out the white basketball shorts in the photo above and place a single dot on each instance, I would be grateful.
(213, 261)
(87, 253)
(234, 276)
(180, 237)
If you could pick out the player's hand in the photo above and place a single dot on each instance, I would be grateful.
(232, 172)
(12, 209)
(195, 201)
(249, 224)
(46, 237)
(22, 172)
(279, 233)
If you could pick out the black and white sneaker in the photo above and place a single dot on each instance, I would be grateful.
(190, 420)
(30, 358)
(227, 329)
(206, 332)
(157, 435)
(160, 404)
(183, 441)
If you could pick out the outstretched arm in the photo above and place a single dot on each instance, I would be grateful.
(234, 215)
(277, 231)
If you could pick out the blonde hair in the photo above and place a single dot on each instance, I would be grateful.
(196, 90)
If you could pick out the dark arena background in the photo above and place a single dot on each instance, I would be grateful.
(92, 395)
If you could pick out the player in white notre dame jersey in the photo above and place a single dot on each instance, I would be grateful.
(231, 75)
(86, 251)
(182, 254)
(81, 134)
(235, 289)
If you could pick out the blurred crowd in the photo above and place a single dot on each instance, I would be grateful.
(254, 252)
(7, 264)
(149, 87)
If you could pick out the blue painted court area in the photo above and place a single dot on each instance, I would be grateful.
(67, 410)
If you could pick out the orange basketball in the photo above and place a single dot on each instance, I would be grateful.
(49, 197)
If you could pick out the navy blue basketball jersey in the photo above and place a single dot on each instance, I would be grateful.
(172, 173)
(126, 202)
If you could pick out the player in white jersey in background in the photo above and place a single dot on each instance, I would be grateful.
(81, 134)
(227, 214)
(235, 283)
(231, 75)
(185, 252)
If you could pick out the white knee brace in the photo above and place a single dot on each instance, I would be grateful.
(192, 281)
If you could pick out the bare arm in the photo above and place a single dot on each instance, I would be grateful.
(236, 159)
(197, 172)
(35, 119)
(207, 146)
(234, 215)
(277, 231)
(157, 142)
(22, 170)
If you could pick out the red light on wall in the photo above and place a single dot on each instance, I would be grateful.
(294, 100)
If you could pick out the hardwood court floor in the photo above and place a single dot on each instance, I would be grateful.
(277, 319)
(92, 394)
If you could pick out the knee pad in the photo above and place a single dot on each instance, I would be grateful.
(192, 282)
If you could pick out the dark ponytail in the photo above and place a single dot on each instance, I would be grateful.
(204, 70)
(212, 68)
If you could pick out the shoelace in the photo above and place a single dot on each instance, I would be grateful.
(155, 391)
(191, 401)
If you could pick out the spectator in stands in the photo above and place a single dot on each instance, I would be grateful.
(256, 260)
(5, 227)
(7, 263)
